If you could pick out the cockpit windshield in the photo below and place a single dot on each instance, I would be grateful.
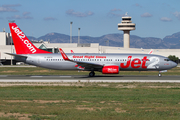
(166, 59)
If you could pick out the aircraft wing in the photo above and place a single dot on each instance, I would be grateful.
(88, 65)
(81, 64)
(18, 55)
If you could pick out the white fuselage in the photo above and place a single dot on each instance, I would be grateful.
(126, 62)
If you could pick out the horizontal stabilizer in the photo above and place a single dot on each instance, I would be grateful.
(16, 55)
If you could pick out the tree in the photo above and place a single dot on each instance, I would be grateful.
(173, 58)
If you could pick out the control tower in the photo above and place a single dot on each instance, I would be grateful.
(126, 25)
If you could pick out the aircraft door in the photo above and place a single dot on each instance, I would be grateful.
(39, 60)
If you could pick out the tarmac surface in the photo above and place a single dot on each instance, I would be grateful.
(84, 78)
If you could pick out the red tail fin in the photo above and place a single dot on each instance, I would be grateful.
(22, 44)
(72, 51)
(151, 51)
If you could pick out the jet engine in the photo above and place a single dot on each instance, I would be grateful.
(113, 69)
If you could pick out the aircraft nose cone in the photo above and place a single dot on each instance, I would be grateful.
(174, 64)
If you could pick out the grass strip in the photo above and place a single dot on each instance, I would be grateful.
(85, 101)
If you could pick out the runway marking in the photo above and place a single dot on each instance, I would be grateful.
(51, 76)
(36, 76)
(91, 81)
(66, 76)
(3, 75)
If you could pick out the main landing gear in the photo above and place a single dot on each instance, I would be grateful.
(91, 74)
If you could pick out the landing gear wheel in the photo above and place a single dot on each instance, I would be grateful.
(91, 74)
(159, 75)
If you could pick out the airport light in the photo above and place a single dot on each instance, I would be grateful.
(79, 35)
(71, 32)
(11, 50)
(11, 21)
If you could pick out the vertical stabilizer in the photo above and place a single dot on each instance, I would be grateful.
(22, 44)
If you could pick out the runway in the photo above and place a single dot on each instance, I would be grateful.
(84, 78)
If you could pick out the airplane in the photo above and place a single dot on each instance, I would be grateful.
(106, 63)
(72, 51)
(151, 51)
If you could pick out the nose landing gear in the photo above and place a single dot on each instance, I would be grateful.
(159, 75)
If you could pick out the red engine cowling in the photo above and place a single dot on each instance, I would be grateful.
(110, 69)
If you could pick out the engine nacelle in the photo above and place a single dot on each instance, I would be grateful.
(110, 69)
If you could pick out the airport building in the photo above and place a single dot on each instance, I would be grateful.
(6, 45)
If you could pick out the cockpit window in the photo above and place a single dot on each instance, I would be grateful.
(166, 59)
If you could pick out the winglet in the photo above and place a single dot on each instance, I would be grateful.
(65, 57)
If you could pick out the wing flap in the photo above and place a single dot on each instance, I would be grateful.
(88, 65)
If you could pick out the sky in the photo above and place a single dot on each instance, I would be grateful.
(153, 18)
